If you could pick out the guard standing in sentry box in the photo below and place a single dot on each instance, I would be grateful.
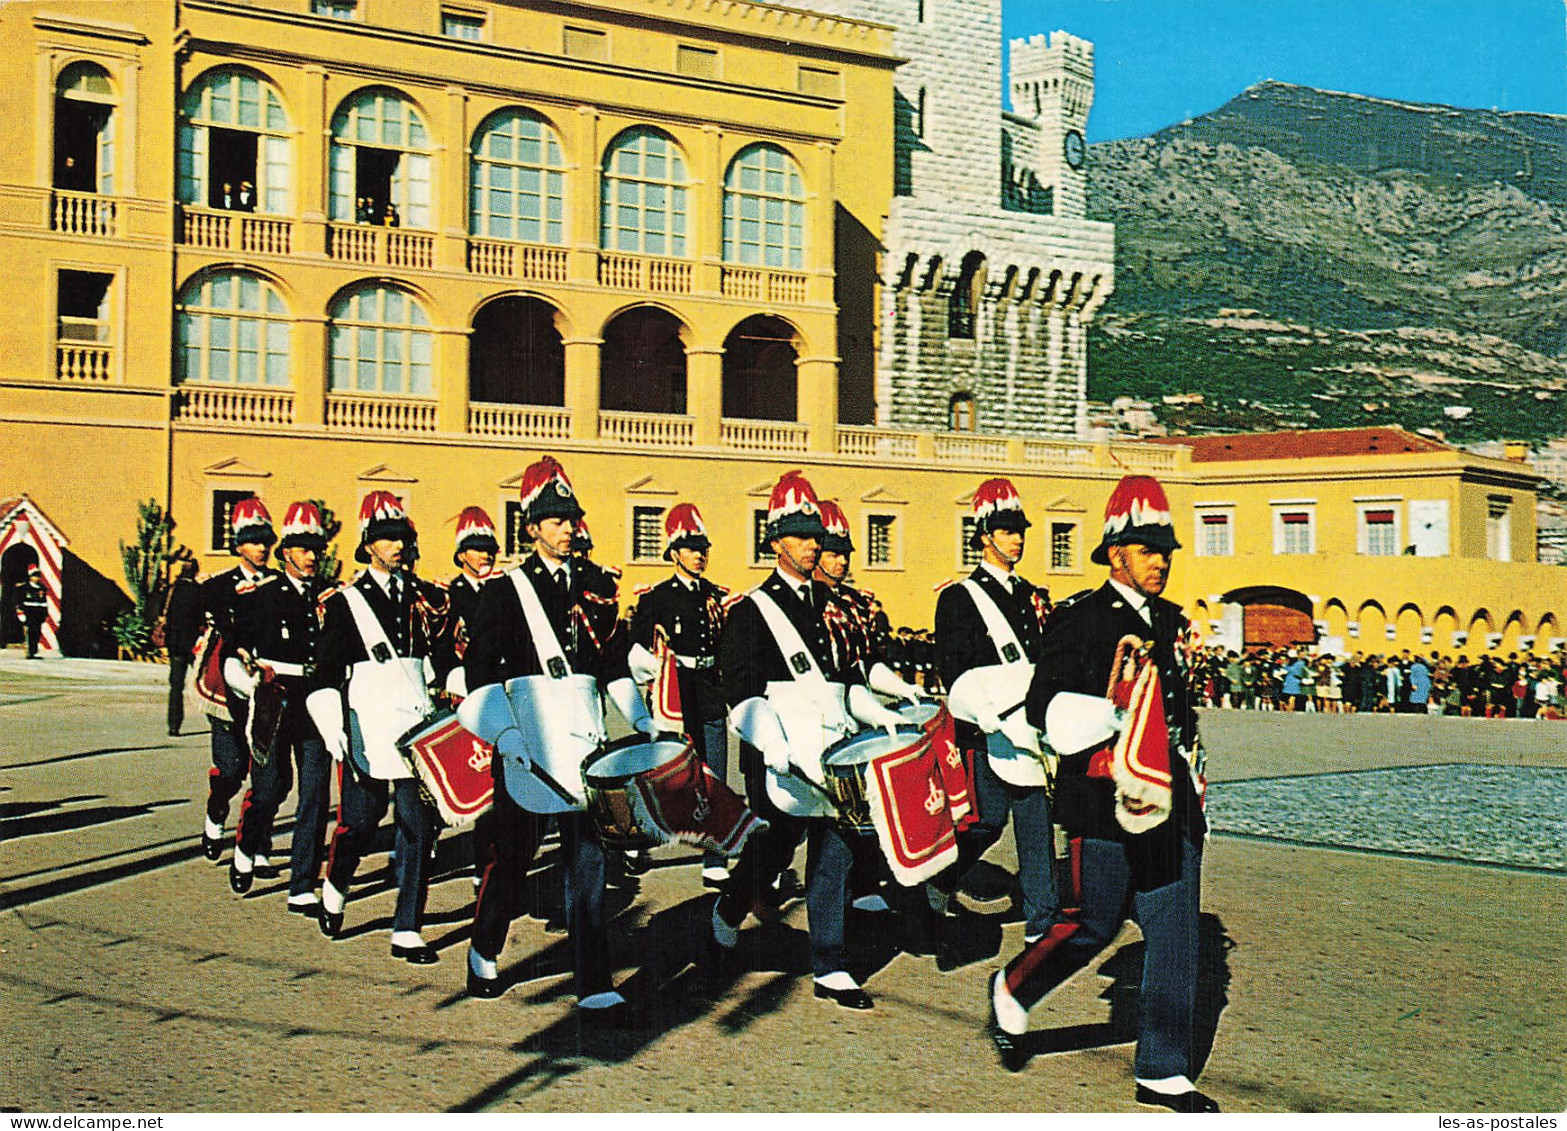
(372, 687)
(546, 646)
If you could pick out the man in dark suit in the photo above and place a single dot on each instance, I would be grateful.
(789, 696)
(274, 638)
(371, 686)
(688, 610)
(182, 625)
(251, 537)
(579, 603)
(1141, 847)
(970, 638)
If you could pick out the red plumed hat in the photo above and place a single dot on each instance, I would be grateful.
(475, 531)
(684, 529)
(546, 492)
(381, 515)
(837, 538)
(997, 506)
(250, 522)
(794, 509)
(1137, 512)
(303, 526)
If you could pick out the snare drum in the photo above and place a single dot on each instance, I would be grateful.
(617, 806)
(844, 763)
(920, 712)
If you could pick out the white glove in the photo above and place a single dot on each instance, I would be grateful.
(864, 706)
(325, 708)
(457, 682)
(628, 700)
(757, 722)
(884, 681)
(1020, 733)
(987, 720)
(239, 678)
(643, 664)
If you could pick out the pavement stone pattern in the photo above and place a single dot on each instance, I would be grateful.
(1506, 815)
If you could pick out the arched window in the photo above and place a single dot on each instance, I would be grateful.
(643, 362)
(960, 413)
(380, 161)
(760, 370)
(764, 209)
(381, 343)
(233, 329)
(643, 209)
(515, 354)
(234, 144)
(84, 112)
(517, 180)
(964, 301)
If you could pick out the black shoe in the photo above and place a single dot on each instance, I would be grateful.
(211, 847)
(1008, 1046)
(481, 987)
(174, 732)
(268, 871)
(239, 882)
(330, 922)
(848, 999)
(416, 955)
(788, 887)
(1188, 1103)
(637, 864)
(311, 909)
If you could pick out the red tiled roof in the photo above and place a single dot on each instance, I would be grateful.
(1302, 444)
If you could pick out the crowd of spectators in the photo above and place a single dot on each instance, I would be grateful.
(1293, 679)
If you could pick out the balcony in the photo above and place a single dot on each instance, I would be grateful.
(958, 448)
(647, 429)
(642, 273)
(380, 414)
(876, 443)
(754, 285)
(1150, 458)
(781, 436)
(227, 405)
(519, 421)
(88, 363)
(83, 214)
(235, 231)
(1063, 454)
(500, 259)
(380, 247)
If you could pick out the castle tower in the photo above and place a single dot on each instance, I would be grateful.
(1053, 86)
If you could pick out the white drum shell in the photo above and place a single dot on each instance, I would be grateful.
(562, 725)
(814, 714)
(386, 700)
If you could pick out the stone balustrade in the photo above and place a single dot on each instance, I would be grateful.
(762, 435)
(519, 421)
(87, 362)
(877, 443)
(83, 214)
(380, 414)
(647, 429)
(224, 404)
(234, 231)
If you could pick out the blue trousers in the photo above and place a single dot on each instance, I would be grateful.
(1168, 917)
(314, 767)
(711, 740)
(828, 861)
(994, 799)
(516, 834)
(363, 805)
(230, 760)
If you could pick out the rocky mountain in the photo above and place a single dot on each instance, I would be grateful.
(1305, 258)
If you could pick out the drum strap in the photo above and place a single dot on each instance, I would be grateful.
(788, 638)
(552, 657)
(375, 639)
(1002, 635)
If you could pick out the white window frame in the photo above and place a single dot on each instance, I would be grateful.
(1074, 548)
(664, 197)
(197, 322)
(774, 237)
(413, 183)
(484, 169)
(894, 541)
(1364, 507)
(274, 184)
(471, 18)
(407, 338)
(1199, 536)
(1499, 528)
(633, 505)
(1281, 507)
(761, 557)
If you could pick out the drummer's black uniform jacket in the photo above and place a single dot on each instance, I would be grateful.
(276, 621)
(341, 646)
(462, 606)
(221, 590)
(862, 632)
(749, 657)
(692, 616)
(585, 618)
(963, 642)
(1077, 654)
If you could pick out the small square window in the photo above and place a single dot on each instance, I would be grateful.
(1063, 541)
(647, 534)
(586, 43)
(969, 555)
(1214, 534)
(699, 62)
(881, 530)
(336, 9)
(761, 553)
(463, 25)
(517, 541)
(223, 502)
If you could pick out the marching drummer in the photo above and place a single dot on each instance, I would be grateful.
(372, 683)
(275, 631)
(252, 536)
(860, 632)
(790, 697)
(688, 610)
(552, 617)
(990, 625)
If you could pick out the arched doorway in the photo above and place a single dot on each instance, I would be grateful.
(760, 380)
(1273, 617)
(14, 564)
(642, 364)
(515, 355)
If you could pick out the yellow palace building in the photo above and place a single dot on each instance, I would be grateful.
(312, 248)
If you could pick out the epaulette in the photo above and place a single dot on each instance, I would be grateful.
(203, 578)
(328, 592)
(722, 589)
(611, 570)
(734, 599)
(248, 586)
(940, 585)
(642, 590)
(1065, 602)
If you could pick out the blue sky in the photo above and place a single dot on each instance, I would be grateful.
(1159, 61)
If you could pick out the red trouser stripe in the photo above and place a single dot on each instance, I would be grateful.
(1027, 962)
